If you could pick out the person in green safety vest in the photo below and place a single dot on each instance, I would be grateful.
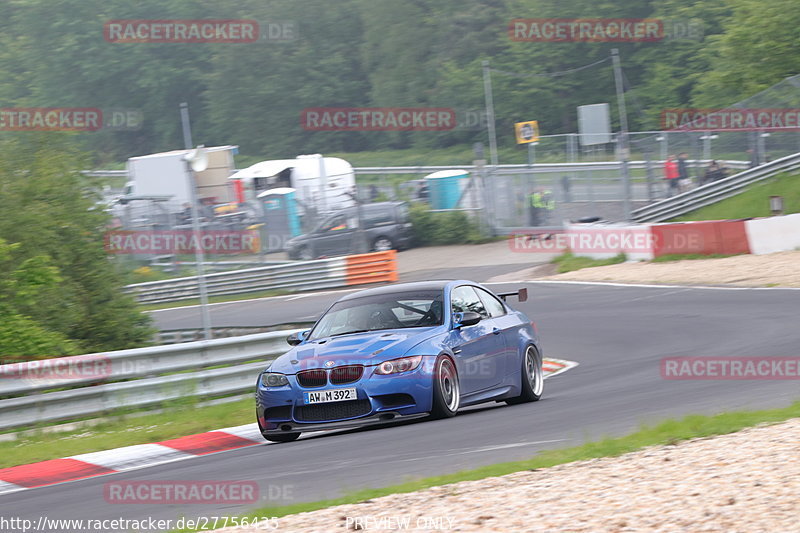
(541, 203)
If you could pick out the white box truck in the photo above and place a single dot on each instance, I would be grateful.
(164, 174)
(324, 184)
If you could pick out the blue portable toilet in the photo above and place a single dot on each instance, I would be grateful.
(444, 188)
(280, 217)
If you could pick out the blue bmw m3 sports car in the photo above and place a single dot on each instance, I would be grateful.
(397, 352)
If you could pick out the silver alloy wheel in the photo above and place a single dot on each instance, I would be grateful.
(383, 244)
(448, 384)
(533, 371)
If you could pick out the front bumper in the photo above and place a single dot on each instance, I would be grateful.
(379, 399)
(382, 418)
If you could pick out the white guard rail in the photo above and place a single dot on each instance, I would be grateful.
(307, 275)
(708, 194)
(30, 395)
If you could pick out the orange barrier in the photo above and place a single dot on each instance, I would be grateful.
(371, 268)
(706, 237)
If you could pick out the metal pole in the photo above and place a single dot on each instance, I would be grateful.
(623, 135)
(198, 252)
(487, 90)
(531, 162)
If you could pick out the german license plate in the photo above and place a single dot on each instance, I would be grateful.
(332, 395)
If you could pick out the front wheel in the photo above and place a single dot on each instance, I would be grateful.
(382, 244)
(276, 437)
(305, 254)
(532, 378)
(446, 391)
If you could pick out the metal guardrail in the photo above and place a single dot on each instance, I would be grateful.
(175, 336)
(710, 193)
(526, 169)
(154, 375)
(319, 274)
(503, 169)
(297, 276)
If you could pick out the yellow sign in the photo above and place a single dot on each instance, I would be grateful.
(527, 132)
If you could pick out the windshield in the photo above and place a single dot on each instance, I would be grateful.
(381, 311)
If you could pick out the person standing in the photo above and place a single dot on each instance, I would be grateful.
(671, 174)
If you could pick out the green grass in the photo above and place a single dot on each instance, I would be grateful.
(668, 432)
(567, 262)
(179, 419)
(754, 201)
(681, 257)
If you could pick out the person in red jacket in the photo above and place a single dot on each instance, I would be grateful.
(672, 175)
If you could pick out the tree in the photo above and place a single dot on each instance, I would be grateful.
(759, 48)
(48, 211)
(24, 290)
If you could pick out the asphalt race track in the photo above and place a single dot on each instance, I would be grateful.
(618, 335)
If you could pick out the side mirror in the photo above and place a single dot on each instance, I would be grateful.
(296, 338)
(467, 318)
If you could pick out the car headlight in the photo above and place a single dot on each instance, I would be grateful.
(396, 366)
(270, 379)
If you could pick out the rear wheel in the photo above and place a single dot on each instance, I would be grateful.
(446, 391)
(532, 378)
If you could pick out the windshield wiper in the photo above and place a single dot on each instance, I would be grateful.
(350, 332)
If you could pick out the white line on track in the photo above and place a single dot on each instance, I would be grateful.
(643, 285)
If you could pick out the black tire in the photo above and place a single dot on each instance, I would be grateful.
(281, 437)
(382, 244)
(446, 391)
(532, 377)
(276, 437)
(304, 254)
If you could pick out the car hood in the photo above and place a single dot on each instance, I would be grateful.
(361, 348)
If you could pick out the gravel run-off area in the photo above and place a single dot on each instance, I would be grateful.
(780, 269)
(742, 482)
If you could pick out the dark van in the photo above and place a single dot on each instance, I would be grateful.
(386, 227)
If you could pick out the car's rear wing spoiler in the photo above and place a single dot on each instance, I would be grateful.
(521, 294)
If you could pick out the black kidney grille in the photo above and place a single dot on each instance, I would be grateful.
(346, 374)
(312, 378)
(321, 412)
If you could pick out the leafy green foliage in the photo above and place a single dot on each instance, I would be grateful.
(440, 228)
(56, 274)
(367, 53)
(25, 289)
